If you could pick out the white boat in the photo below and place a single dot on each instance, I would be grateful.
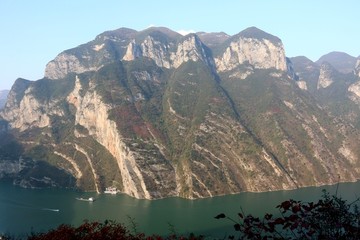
(90, 199)
(111, 190)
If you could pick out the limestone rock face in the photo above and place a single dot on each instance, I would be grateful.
(92, 114)
(169, 50)
(132, 52)
(157, 51)
(262, 54)
(107, 47)
(158, 115)
(354, 89)
(191, 48)
(63, 64)
(357, 68)
(29, 113)
(325, 78)
(302, 85)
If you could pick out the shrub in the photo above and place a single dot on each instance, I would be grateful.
(109, 230)
(330, 218)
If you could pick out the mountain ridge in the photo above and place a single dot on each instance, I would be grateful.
(157, 114)
(343, 62)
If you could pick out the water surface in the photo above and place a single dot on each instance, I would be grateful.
(26, 210)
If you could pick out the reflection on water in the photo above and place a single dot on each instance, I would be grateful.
(26, 210)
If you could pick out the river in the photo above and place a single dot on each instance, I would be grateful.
(26, 210)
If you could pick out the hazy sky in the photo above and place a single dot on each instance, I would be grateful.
(34, 32)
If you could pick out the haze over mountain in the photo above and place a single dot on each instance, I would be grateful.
(342, 62)
(3, 97)
(158, 114)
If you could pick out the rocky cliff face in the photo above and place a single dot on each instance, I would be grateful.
(158, 114)
(354, 88)
(326, 76)
(29, 113)
(93, 114)
(63, 64)
(106, 48)
(263, 53)
(168, 56)
(357, 68)
(251, 46)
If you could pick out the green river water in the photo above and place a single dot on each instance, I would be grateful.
(26, 210)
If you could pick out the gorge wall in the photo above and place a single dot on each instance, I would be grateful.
(158, 114)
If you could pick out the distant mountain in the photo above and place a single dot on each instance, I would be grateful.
(3, 94)
(3, 97)
(255, 33)
(158, 114)
(213, 39)
(336, 91)
(307, 71)
(341, 61)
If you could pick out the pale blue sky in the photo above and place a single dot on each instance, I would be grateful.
(34, 32)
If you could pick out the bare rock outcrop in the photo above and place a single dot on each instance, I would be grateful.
(357, 68)
(262, 53)
(325, 77)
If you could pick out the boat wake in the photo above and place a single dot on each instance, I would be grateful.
(24, 205)
(51, 209)
(90, 199)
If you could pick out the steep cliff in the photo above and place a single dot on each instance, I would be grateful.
(326, 76)
(357, 67)
(157, 114)
(255, 47)
(105, 48)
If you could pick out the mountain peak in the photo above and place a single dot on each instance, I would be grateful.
(301, 59)
(303, 65)
(168, 32)
(117, 33)
(341, 61)
(249, 47)
(213, 39)
(254, 32)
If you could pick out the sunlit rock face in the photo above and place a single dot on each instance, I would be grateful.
(254, 47)
(325, 78)
(357, 68)
(158, 114)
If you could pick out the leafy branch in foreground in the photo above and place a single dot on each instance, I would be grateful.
(109, 230)
(330, 218)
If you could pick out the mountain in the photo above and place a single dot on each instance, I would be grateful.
(213, 39)
(3, 97)
(307, 71)
(341, 61)
(331, 88)
(158, 114)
